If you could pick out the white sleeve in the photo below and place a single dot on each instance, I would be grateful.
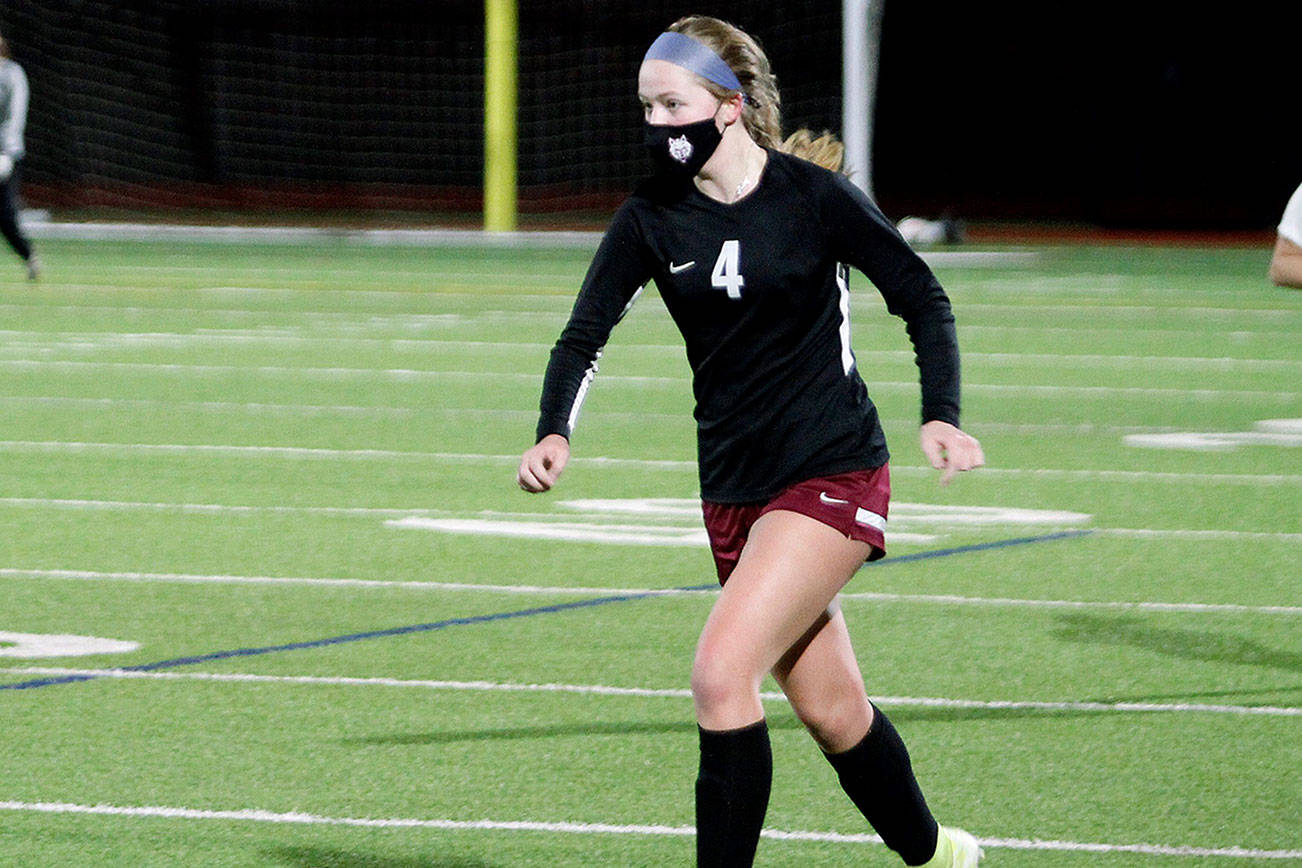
(1290, 226)
(14, 124)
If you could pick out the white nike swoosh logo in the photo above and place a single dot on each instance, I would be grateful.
(674, 269)
(822, 495)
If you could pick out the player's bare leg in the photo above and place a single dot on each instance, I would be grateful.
(820, 676)
(790, 571)
(792, 568)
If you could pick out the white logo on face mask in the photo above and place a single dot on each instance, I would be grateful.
(680, 149)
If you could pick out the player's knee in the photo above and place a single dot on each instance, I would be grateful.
(836, 721)
(721, 682)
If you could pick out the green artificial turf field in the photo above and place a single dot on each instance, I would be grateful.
(285, 474)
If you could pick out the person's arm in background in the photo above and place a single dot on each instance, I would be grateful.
(1286, 261)
(13, 125)
(1286, 264)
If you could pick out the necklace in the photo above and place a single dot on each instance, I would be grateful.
(745, 182)
(744, 185)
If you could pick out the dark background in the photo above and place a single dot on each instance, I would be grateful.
(1144, 115)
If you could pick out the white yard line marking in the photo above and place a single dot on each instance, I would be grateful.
(861, 304)
(60, 645)
(1139, 606)
(632, 534)
(253, 815)
(310, 452)
(1268, 432)
(417, 514)
(353, 319)
(669, 693)
(1131, 309)
(366, 511)
(1126, 476)
(1101, 360)
(1176, 335)
(113, 404)
(92, 340)
(1283, 536)
(603, 461)
(73, 503)
(619, 534)
(373, 584)
(400, 374)
(412, 374)
(109, 403)
(560, 590)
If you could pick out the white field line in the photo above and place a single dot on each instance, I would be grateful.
(401, 374)
(393, 512)
(1129, 309)
(1140, 606)
(1123, 476)
(94, 340)
(107, 403)
(595, 518)
(444, 285)
(875, 319)
(576, 828)
(557, 590)
(564, 298)
(315, 453)
(349, 409)
(603, 461)
(320, 235)
(668, 693)
(1283, 536)
(411, 374)
(351, 319)
(369, 584)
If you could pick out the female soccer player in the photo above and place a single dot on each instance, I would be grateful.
(13, 120)
(746, 244)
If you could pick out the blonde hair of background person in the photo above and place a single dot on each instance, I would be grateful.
(749, 247)
(1286, 260)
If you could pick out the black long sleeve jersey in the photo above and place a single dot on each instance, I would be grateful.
(759, 289)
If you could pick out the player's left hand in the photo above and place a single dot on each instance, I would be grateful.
(950, 450)
(6, 167)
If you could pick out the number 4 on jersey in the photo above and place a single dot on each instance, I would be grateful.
(727, 269)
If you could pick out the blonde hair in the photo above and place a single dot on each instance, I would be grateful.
(762, 105)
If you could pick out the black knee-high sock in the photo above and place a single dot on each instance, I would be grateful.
(877, 776)
(732, 794)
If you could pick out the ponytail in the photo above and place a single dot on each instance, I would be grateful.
(827, 150)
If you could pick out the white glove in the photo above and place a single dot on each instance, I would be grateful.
(6, 167)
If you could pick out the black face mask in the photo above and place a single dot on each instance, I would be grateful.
(679, 151)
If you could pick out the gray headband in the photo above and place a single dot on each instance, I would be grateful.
(682, 50)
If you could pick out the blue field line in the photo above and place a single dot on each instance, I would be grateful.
(501, 616)
(338, 640)
(957, 550)
(979, 547)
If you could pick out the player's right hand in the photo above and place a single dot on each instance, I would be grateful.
(542, 464)
(6, 167)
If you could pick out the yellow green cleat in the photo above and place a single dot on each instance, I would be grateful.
(955, 849)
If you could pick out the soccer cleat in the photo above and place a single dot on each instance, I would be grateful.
(33, 267)
(955, 849)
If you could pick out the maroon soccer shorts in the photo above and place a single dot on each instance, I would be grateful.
(853, 503)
